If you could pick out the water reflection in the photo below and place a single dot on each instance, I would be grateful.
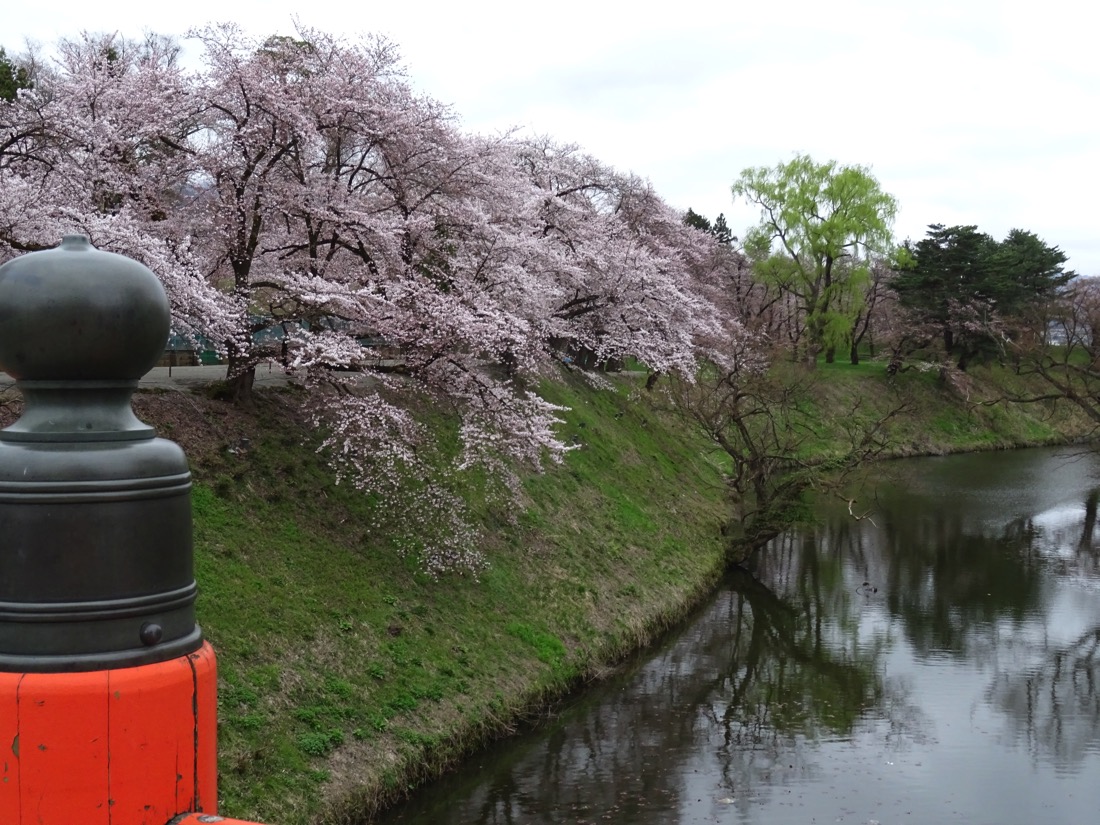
(938, 663)
(1055, 708)
(754, 679)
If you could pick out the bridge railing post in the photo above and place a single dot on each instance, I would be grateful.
(108, 692)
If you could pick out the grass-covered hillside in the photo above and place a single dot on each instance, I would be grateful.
(970, 414)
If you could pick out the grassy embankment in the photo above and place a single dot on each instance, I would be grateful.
(346, 676)
(970, 417)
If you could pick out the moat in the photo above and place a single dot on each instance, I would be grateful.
(934, 661)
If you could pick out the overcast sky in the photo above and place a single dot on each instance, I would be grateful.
(967, 111)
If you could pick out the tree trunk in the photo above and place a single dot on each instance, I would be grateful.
(239, 377)
(1091, 502)
(855, 353)
(811, 357)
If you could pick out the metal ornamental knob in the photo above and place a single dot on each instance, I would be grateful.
(96, 567)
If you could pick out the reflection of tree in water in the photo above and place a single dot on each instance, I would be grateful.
(794, 675)
(1072, 549)
(948, 574)
(1088, 524)
(939, 568)
(1055, 708)
(737, 695)
(906, 723)
(790, 667)
(976, 589)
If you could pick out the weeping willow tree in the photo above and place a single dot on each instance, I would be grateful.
(821, 225)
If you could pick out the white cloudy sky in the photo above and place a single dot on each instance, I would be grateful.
(968, 111)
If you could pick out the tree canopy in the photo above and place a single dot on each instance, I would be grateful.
(13, 77)
(303, 204)
(956, 279)
(718, 228)
(820, 225)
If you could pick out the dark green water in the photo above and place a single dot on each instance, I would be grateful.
(936, 662)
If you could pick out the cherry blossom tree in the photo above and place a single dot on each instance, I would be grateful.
(304, 205)
(617, 262)
(92, 148)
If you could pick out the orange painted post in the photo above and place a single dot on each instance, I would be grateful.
(108, 693)
(132, 745)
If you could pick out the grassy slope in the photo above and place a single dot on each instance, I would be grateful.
(346, 676)
(941, 420)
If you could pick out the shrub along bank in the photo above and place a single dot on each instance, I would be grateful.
(346, 675)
